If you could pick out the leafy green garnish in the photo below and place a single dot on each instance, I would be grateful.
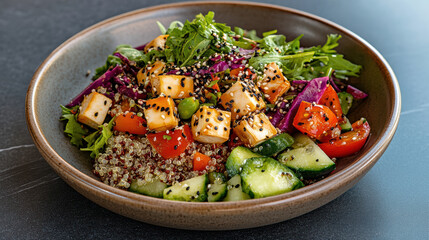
(73, 129)
(212, 83)
(167, 137)
(98, 139)
(303, 63)
(197, 40)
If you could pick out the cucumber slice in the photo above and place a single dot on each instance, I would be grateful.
(274, 145)
(346, 101)
(191, 190)
(237, 158)
(307, 158)
(264, 176)
(235, 191)
(217, 191)
(153, 189)
(347, 126)
(217, 177)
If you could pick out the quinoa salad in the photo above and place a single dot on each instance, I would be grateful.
(206, 112)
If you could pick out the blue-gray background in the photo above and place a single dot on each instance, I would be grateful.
(390, 202)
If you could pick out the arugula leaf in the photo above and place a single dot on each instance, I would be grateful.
(194, 40)
(291, 64)
(265, 34)
(98, 139)
(73, 129)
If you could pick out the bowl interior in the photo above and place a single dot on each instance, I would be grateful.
(62, 75)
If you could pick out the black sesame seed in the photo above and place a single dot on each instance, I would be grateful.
(187, 188)
(175, 147)
(169, 191)
(226, 129)
(105, 102)
(263, 170)
(214, 193)
(300, 123)
(237, 186)
(220, 118)
(96, 114)
(207, 120)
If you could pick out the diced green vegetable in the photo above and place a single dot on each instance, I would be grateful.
(153, 189)
(347, 126)
(237, 158)
(264, 176)
(187, 107)
(217, 191)
(235, 191)
(274, 145)
(216, 177)
(191, 190)
(307, 158)
(346, 101)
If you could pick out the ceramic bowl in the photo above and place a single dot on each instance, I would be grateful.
(62, 75)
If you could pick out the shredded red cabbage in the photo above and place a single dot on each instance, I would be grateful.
(103, 80)
(356, 93)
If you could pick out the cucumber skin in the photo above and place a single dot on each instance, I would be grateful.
(237, 158)
(274, 145)
(146, 189)
(184, 197)
(235, 194)
(220, 188)
(301, 142)
(255, 165)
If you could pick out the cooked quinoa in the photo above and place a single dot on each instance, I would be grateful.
(128, 157)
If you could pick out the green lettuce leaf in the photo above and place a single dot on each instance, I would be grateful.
(73, 129)
(97, 140)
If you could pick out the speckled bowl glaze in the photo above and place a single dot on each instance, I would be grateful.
(62, 75)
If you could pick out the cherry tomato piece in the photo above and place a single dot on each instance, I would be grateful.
(171, 143)
(331, 100)
(348, 143)
(315, 120)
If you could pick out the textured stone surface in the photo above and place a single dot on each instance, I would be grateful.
(390, 202)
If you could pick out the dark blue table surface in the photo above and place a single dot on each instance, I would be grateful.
(390, 202)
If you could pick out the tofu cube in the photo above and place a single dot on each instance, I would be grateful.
(242, 98)
(274, 84)
(254, 129)
(161, 114)
(210, 125)
(151, 71)
(158, 43)
(94, 109)
(174, 86)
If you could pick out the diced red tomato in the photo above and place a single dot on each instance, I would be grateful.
(234, 141)
(130, 123)
(315, 120)
(170, 144)
(348, 143)
(200, 161)
(331, 100)
(249, 74)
